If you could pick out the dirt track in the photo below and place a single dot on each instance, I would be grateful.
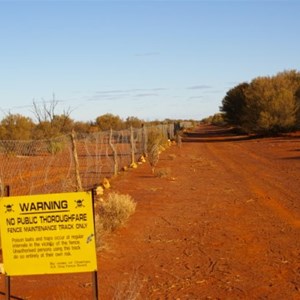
(225, 224)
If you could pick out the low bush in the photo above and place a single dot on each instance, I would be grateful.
(163, 172)
(155, 138)
(114, 211)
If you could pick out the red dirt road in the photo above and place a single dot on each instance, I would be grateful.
(225, 224)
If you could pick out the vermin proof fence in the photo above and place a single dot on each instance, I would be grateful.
(71, 162)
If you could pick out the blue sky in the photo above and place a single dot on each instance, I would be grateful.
(149, 59)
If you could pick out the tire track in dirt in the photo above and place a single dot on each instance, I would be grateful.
(272, 237)
(260, 182)
(211, 239)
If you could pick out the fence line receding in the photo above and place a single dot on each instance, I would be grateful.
(50, 166)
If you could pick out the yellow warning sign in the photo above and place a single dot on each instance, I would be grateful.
(45, 234)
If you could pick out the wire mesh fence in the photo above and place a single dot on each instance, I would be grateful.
(71, 162)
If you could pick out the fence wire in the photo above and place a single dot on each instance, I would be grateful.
(49, 166)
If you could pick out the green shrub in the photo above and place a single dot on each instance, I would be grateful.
(55, 147)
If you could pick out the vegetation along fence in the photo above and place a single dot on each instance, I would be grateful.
(71, 162)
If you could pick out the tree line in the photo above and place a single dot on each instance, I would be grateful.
(266, 105)
(18, 127)
(48, 124)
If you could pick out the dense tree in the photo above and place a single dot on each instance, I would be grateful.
(16, 127)
(133, 122)
(109, 121)
(43, 130)
(62, 124)
(292, 80)
(233, 104)
(83, 127)
(59, 125)
(266, 105)
(216, 119)
(270, 105)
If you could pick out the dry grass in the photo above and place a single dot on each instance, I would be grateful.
(163, 172)
(153, 157)
(155, 137)
(101, 234)
(155, 140)
(111, 214)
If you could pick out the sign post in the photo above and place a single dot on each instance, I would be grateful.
(7, 277)
(48, 234)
